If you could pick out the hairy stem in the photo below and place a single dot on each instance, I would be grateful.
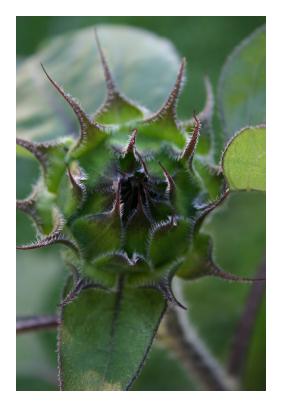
(180, 337)
(37, 322)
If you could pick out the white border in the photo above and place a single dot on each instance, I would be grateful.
(274, 70)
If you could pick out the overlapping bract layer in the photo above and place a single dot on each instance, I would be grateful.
(125, 196)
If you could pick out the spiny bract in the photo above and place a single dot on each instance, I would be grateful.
(125, 196)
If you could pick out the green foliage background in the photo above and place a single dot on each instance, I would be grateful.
(215, 306)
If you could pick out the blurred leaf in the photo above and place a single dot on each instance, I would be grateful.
(27, 175)
(206, 49)
(33, 383)
(145, 73)
(40, 277)
(244, 160)
(162, 372)
(215, 307)
(36, 361)
(115, 346)
(242, 85)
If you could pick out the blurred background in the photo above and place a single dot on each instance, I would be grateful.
(215, 306)
(204, 41)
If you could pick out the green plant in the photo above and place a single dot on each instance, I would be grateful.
(128, 196)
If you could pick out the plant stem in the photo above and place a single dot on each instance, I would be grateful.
(246, 325)
(181, 338)
(37, 322)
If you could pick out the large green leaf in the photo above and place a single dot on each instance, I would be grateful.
(143, 64)
(242, 85)
(105, 337)
(244, 160)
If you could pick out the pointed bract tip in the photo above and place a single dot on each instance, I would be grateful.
(132, 141)
(43, 68)
(111, 87)
(143, 163)
(78, 111)
(182, 65)
(207, 112)
(78, 186)
(27, 206)
(36, 149)
(217, 272)
(172, 99)
(189, 149)
(168, 177)
(53, 238)
(169, 107)
(166, 289)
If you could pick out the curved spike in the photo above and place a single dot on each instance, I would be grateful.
(169, 107)
(36, 149)
(74, 271)
(166, 289)
(78, 186)
(73, 293)
(215, 271)
(189, 149)
(26, 205)
(143, 163)
(59, 221)
(206, 114)
(53, 238)
(50, 156)
(56, 236)
(131, 143)
(111, 87)
(82, 117)
(169, 180)
(199, 220)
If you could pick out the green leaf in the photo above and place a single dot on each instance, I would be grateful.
(33, 383)
(73, 61)
(242, 85)
(244, 160)
(105, 337)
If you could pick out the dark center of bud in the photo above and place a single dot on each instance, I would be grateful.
(134, 193)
